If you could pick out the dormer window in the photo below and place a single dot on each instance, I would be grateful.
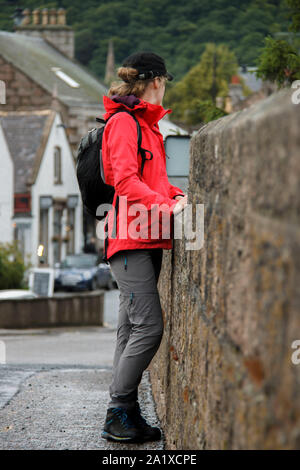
(57, 165)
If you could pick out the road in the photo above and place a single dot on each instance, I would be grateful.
(54, 386)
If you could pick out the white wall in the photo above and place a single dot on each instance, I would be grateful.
(44, 186)
(6, 191)
(24, 236)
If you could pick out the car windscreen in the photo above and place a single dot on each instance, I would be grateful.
(87, 261)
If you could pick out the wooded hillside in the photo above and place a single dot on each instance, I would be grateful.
(175, 29)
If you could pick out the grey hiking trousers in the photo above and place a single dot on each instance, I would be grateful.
(140, 322)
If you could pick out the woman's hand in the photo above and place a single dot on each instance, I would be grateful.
(179, 197)
(182, 202)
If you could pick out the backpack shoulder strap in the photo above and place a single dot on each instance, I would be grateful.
(100, 120)
(139, 131)
(141, 150)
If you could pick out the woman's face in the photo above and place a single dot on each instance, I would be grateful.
(161, 81)
(155, 91)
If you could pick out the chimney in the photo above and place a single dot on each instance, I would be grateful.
(61, 16)
(50, 25)
(26, 17)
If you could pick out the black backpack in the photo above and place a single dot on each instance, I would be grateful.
(90, 175)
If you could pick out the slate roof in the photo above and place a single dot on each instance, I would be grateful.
(35, 57)
(167, 127)
(26, 134)
(250, 78)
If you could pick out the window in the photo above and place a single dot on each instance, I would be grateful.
(44, 217)
(57, 229)
(72, 203)
(45, 204)
(22, 203)
(70, 229)
(57, 165)
(2, 92)
(21, 231)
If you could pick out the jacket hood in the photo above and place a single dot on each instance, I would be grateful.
(151, 113)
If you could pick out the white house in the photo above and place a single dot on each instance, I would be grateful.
(168, 127)
(6, 191)
(47, 208)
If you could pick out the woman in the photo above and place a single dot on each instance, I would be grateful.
(135, 256)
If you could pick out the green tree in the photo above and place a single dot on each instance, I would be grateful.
(280, 59)
(12, 266)
(202, 84)
(279, 62)
(204, 111)
(294, 6)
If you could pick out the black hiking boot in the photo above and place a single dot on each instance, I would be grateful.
(119, 426)
(149, 433)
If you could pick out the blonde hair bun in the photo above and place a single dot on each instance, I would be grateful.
(130, 84)
(127, 74)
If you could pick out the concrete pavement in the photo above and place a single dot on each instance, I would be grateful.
(54, 387)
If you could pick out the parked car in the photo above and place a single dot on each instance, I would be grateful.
(17, 294)
(81, 272)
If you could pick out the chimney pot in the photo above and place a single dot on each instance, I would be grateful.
(52, 19)
(49, 24)
(36, 16)
(26, 17)
(45, 16)
(61, 16)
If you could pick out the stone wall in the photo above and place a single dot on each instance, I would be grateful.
(223, 376)
(22, 93)
(77, 309)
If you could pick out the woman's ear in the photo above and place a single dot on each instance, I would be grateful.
(156, 83)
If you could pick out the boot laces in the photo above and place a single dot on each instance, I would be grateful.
(123, 416)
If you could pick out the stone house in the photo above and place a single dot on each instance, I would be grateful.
(47, 203)
(37, 61)
(40, 72)
(38, 68)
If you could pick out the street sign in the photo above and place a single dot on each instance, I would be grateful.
(178, 150)
(41, 281)
(178, 160)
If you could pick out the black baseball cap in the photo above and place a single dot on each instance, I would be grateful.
(148, 64)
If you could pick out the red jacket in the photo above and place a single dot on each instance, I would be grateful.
(122, 169)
